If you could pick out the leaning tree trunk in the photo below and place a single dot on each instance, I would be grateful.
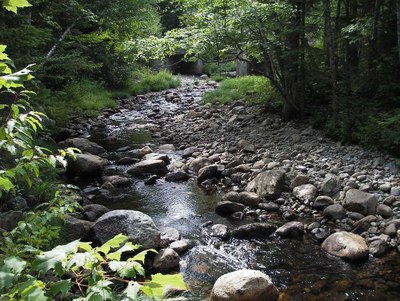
(330, 47)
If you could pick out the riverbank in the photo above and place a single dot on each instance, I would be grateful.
(222, 151)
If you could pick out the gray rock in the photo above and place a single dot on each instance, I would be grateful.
(391, 230)
(319, 234)
(225, 208)
(86, 166)
(270, 206)
(169, 235)
(359, 201)
(290, 229)
(395, 191)
(300, 180)
(188, 152)
(166, 260)
(322, 202)
(166, 148)
(289, 215)
(16, 203)
(231, 196)
(148, 167)
(306, 192)
(144, 151)
(118, 181)
(254, 230)
(92, 212)
(335, 212)
(346, 245)
(220, 231)
(74, 229)
(84, 145)
(384, 210)
(177, 176)
(244, 285)
(364, 224)
(378, 247)
(251, 199)
(10, 219)
(268, 184)
(180, 246)
(330, 185)
(198, 163)
(208, 172)
(138, 226)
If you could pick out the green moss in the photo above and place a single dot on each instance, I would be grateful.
(254, 89)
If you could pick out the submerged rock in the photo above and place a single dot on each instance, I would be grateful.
(346, 245)
(244, 285)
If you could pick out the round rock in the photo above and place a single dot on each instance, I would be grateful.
(346, 245)
(166, 260)
(244, 285)
(138, 226)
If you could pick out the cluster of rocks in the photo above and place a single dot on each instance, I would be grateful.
(345, 197)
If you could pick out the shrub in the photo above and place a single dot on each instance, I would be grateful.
(254, 89)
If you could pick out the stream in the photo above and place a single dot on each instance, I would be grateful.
(298, 267)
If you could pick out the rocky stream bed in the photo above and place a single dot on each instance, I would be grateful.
(234, 187)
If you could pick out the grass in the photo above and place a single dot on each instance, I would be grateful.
(253, 89)
(145, 81)
(83, 98)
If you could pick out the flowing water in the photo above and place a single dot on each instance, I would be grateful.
(298, 267)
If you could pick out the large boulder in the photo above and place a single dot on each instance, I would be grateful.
(9, 219)
(359, 201)
(138, 226)
(268, 184)
(254, 230)
(177, 176)
(346, 245)
(148, 167)
(244, 285)
(305, 192)
(84, 145)
(86, 166)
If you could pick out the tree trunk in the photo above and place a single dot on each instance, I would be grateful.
(330, 45)
(398, 26)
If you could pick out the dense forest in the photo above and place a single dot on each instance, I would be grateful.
(332, 64)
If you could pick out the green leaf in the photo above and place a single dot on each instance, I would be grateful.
(32, 290)
(124, 269)
(132, 290)
(13, 264)
(114, 242)
(62, 287)
(53, 258)
(125, 248)
(6, 280)
(3, 56)
(5, 184)
(159, 282)
(142, 255)
(13, 5)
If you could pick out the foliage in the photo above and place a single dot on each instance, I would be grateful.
(144, 81)
(83, 98)
(254, 89)
(89, 273)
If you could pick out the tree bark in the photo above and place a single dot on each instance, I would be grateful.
(398, 26)
(65, 33)
(330, 45)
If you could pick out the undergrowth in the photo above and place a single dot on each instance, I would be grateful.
(253, 89)
(145, 81)
(83, 98)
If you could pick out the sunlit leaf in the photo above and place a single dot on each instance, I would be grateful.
(114, 242)
(132, 290)
(13, 5)
(159, 282)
